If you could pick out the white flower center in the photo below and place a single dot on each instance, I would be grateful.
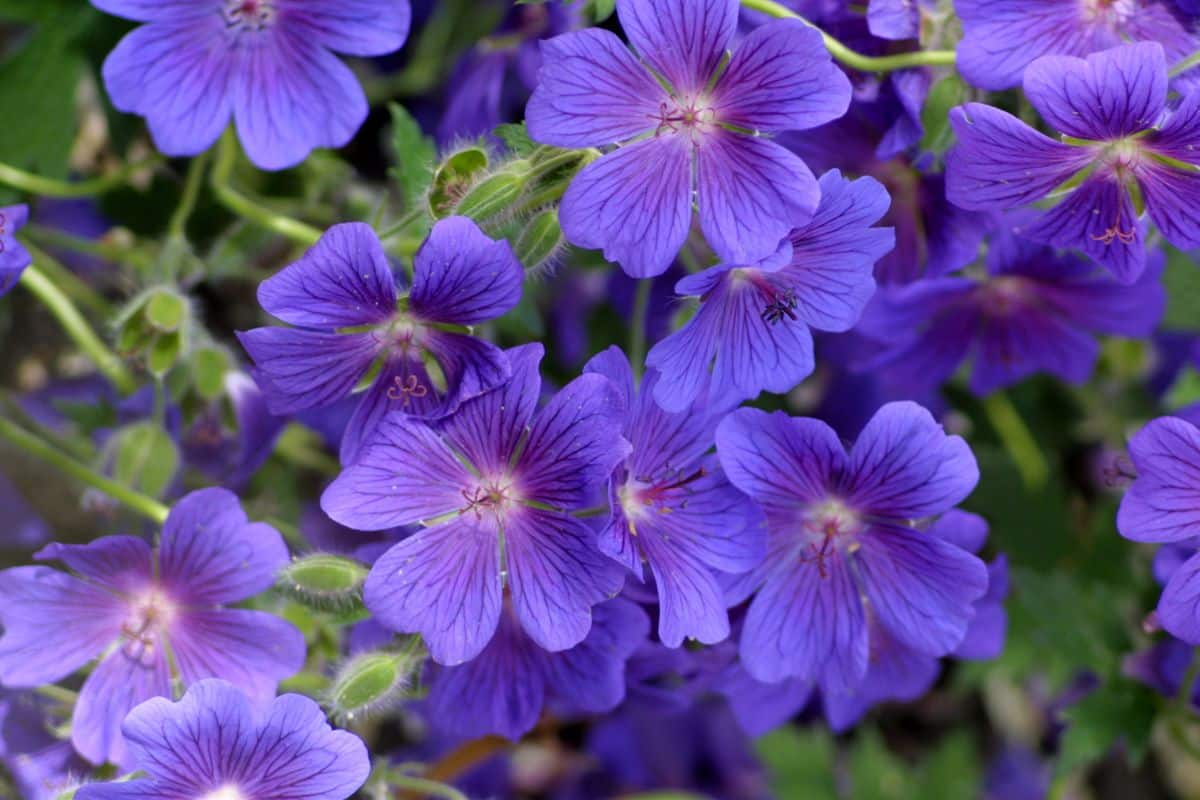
(226, 792)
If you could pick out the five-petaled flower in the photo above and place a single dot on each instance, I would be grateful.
(686, 124)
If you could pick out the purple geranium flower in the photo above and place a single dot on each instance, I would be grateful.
(494, 485)
(699, 136)
(1163, 505)
(215, 745)
(673, 509)
(1003, 37)
(14, 258)
(1033, 311)
(842, 529)
(342, 294)
(232, 457)
(896, 19)
(1120, 141)
(267, 63)
(754, 317)
(503, 689)
(128, 605)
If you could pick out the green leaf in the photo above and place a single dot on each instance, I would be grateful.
(800, 762)
(415, 153)
(516, 138)
(935, 114)
(1118, 711)
(1182, 282)
(209, 367)
(146, 458)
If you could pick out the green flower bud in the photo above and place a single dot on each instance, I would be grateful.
(540, 241)
(371, 683)
(324, 581)
(453, 177)
(492, 197)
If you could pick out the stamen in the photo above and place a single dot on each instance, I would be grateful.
(1116, 233)
(252, 15)
(407, 389)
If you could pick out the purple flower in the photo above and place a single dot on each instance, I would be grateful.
(754, 317)
(699, 136)
(1003, 37)
(896, 19)
(503, 689)
(14, 258)
(342, 295)
(215, 745)
(842, 530)
(233, 457)
(1120, 141)
(674, 510)
(1033, 311)
(267, 63)
(493, 485)
(129, 605)
(1163, 505)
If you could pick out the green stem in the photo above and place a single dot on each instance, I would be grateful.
(855, 60)
(68, 281)
(1017, 440)
(50, 187)
(19, 437)
(1185, 65)
(191, 191)
(243, 206)
(399, 226)
(78, 329)
(58, 694)
(408, 785)
(637, 329)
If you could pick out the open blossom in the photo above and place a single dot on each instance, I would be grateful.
(494, 484)
(1120, 141)
(14, 258)
(343, 298)
(1163, 505)
(673, 510)
(1003, 37)
(698, 132)
(129, 605)
(503, 689)
(215, 745)
(754, 317)
(269, 64)
(1034, 310)
(843, 534)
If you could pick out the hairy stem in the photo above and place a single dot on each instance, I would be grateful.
(855, 60)
(50, 187)
(241, 205)
(1017, 440)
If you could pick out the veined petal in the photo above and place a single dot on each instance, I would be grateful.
(921, 588)
(464, 277)
(150, 10)
(119, 684)
(253, 650)
(1002, 37)
(1179, 606)
(14, 258)
(404, 474)
(780, 78)
(118, 563)
(299, 369)
(782, 462)
(556, 574)
(591, 92)
(210, 552)
(177, 73)
(1107, 95)
(342, 281)
(634, 204)
(1001, 163)
(1178, 136)
(444, 583)
(683, 358)
(590, 677)
(291, 95)
(904, 466)
(1172, 197)
(1163, 504)
(894, 19)
(752, 192)
(353, 27)
(681, 40)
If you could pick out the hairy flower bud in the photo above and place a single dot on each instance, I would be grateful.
(324, 581)
(370, 683)
(540, 241)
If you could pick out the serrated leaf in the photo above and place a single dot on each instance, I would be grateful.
(415, 154)
(1118, 711)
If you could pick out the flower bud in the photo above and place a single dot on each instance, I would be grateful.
(459, 171)
(540, 241)
(324, 581)
(370, 683)
(491, 197)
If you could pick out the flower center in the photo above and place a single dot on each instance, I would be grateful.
(489, 495)
(150, 616)
(638, 495)
(1004, 296)
(692, 117)
(1114, 13)
(829, 527)
(249, 15)
(226, 792)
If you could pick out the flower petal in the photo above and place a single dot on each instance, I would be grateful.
(634, 204)
(556, 574)
(904, 466)
(1179, 606)
(14, 258)
(176, 73)
(591, 92)
(781, 78)
(681, 40)
(1172, 197)
(752, 192)
(342, 281)
(1163, 504)
(299, 369)
(210, 552)
(253, 650)
(444, 583)
(1002, 37)
(353, 27)
(782, 462)
(590, 677)
(118, 563)
(464, 277)
(118, 685)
